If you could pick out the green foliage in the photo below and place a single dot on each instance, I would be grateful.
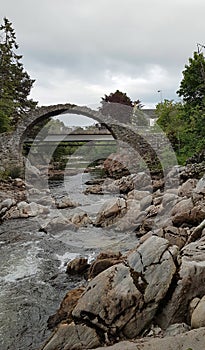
(192, 87)
(3, 175)
(118, 97)
(184, 122)
(183, 127)
(12, 172)
(4, 119)
(15, 172)
(15, 83)
(170, 120)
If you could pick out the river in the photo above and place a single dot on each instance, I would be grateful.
(33, 281)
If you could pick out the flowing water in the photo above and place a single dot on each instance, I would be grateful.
(33, 281)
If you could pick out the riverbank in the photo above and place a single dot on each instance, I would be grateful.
(33, 278)
(145, 278)
(156, 289)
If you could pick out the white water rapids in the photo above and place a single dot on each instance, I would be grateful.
(33, 281)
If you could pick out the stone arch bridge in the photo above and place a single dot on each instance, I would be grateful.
(11, 144)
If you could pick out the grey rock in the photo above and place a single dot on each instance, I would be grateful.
(145, 202)
(65, 202)
(73, 337)
(154, 262)
(198, 315)
(191, 274)
(79, 218)
(192, 306)
(26, 210)
(110, 300)
(175, 235)
(138, 195)
(31, 209)
(169, 199)
(181, 211)
(199, 191)
(18, 182)
(193, 339)
(57, 223)
(186, 189)
(6, 204)
(176, 328)
(111, 211)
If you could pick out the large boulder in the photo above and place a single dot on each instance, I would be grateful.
(181, 212)
(111, 211)
(5, 205)
(79, 218)
(123, 299)
(110, 300)
(77, 266)
(199, 190)
(103, 261)
(26, 210)
(193, 339)
(117, 165)
(31, 209)
(175, 235)
(66, 307)
(132, 218)
(73, 337)
(56, 223)
(139, 181)
(189, 284)
(198, 315)
(65, 202)
(153, 261)
(186, 189)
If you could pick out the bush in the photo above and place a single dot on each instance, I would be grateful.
(15, 172)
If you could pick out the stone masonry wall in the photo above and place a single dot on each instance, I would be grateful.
(148, 145)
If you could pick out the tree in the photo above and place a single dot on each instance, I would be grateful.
(15, 83)
(119, 106)
(183, 126)
(170, 115)
(192, 87)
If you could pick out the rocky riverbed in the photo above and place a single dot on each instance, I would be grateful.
(136, 277)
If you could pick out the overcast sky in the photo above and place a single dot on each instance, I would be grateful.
(79, 50)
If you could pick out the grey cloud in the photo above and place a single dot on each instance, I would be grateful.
(85, 44)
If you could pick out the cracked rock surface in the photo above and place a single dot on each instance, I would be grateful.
(191, 274)
(73, 337)
(190, 340)
(110, 300)
(122, 300)
(154, 262)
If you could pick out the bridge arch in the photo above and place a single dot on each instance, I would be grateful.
(11, 143)
(44, 113)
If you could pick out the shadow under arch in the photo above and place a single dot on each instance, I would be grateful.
(44, 113)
